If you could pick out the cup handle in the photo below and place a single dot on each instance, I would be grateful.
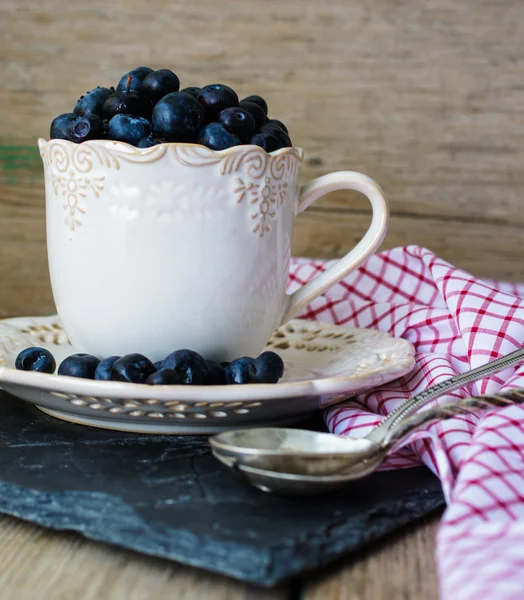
(341, 180)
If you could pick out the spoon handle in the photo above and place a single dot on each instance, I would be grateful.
(413, 404)
(408, 425)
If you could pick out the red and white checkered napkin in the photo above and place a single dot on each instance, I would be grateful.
(456, 323)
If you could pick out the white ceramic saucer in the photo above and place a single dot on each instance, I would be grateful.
(325, 364)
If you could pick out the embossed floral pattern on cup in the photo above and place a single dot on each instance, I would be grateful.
(125, 201)
(169, 200)
(79, 174)
(265, 197)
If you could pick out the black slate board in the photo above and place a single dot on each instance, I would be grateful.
(167, 496)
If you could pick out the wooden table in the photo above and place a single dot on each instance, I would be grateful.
(424, 97)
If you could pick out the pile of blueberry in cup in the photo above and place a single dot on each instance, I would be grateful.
(182, 367)
(148, 108)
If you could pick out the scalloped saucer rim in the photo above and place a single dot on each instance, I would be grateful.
(134, 390)
(206, 409)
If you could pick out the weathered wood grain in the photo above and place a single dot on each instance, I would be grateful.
(401, 568)
(475, 247)
(37, 563)
(425, 97)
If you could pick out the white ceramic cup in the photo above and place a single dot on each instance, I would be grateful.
(179, 246)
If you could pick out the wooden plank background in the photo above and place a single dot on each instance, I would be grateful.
(425, 97)
(45, 565)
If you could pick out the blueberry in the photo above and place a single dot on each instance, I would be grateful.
(278, 124)
(215, 98)
(255, 111)
(178, 117)
(216, 375)
(159, 365)
(126, 103)
(192, 91)
(259, 101)
(132, 368)
(150, 141)
(237, 121)
(126, 128)
(190, 365)
(79, 365)
(159, 83)
(84, 128)
(36, 359)
(137, 77)
(240, 371)
(217, 137)
(165, 377)
(266, 140)
(268, 368)
(103, 371)
(59, 126)
(280, 134)
(93, 101)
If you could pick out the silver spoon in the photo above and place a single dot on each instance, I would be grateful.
(292, 460)
(303, 471)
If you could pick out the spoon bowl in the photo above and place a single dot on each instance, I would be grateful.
(296, 484)
(295, 451)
